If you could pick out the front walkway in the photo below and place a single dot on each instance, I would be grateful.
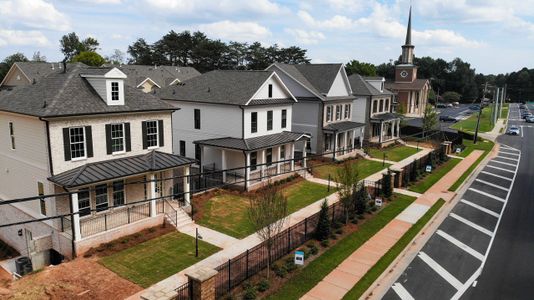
(341, 280)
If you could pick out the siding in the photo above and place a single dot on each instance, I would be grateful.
(296, 89)
(278, 90)
(359, 110)
(262, 120)
(16, 78)
(306, 119)
(99, 85)
(339, 86)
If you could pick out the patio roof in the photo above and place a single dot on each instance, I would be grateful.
(255, 143)
(385, 117)
(343, 126)
(119, 168)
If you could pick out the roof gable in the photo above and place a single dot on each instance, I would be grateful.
(340, 86)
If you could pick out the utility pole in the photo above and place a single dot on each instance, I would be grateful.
(480, 113)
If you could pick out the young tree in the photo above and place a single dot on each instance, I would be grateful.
(268, 213)
(141, 53)
(362, 197)
(322, 232)
(347, 179)
(117, 58)
(430, 119)
(362, 68)
(71, 45)
(387, 187)
(37, 57)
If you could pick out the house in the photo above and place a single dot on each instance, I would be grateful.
(236, 121)
(325, 107)
(104, 149)
(412, 92)
(383, 123)
(147, 78)
(26, 73)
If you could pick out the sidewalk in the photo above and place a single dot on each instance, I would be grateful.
(341, 280)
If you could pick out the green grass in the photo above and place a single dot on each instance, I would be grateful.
(470, 123)
(396, 153)
(365, 168)
(157, 259)
(430, 179)
(481, 144)
(365, 282)
(307, 277)
(504, 111)
(486, 146)
(228, 213)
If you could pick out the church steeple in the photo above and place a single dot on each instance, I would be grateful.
(407, 48)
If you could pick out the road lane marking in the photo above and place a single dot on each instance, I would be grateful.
(504, 163)
(487, 195)
(495, 175)
(522, 130)
(481, 208)
(440, 270)
(471, 224)
(502, 169)
(508, 153)
(460, 245)
(492, 184)
(510, 148)
(402, 292)
(508, 158)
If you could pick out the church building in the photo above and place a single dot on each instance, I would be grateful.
(411, 92)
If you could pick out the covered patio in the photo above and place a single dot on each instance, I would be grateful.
(247, 162)
(385, 128)
(342, 139)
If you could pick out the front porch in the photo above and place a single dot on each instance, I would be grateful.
(342, 140)
(385, 129)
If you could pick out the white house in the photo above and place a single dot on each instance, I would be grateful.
(325, 107)
(240, 121)
(102, 144)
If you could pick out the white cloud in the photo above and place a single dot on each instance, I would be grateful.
(442, 37)
(349, 5)
(22, 38)
(236, 31)
(305, 37)
(336, 22)
(213, 8)
(33, 13)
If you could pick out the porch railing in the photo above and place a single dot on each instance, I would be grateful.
(105, 221)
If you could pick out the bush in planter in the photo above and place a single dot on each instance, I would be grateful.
(325, 243)
(361, 196)
(322, 232)
(387, 187)
(313, 249)
(290, 265)
(250, 293)
(279, 270)
(263, 285)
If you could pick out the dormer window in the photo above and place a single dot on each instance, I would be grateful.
(114, 91)
(109, 84)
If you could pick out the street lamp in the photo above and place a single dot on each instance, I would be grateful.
(197, 237)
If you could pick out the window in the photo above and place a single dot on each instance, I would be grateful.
(270, 90)
(117, 138)
(42, 202)
(101, 192)
(381, 106)
(198, 152)
(269, 120)
(329, 113)
(375, 106)
(382, 86)
(387, 105)
(182, 148)
(84, 202)
(347, 111)
(77, 142)
(114, 91)
(253, 160)
(284, 118)
(283, 152)
(253, 122)
(12, 135)
(118, 193)
(269, 156)
(197, 118)
(338, 112)
(152, 134)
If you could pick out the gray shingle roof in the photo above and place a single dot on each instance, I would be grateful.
(223, 87)
(360, 87)
(119, 168)
(67, 94)
(271, 101)
(161, 75)
(343, 126)
(385, 117)
(415, 85)
(316, 77)
(255, 143)
(37, 70)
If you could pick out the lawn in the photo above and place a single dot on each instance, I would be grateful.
(379, 268)
(484, 145)
(228, 212)
(504, 111)
(307, 277)
(365, 167)
(396, 153)
(470, 123)
(157, 259)
(430, 179)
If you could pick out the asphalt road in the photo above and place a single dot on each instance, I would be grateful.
(460, 112)
(484, 249)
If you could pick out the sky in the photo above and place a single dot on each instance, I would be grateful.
(495, 36)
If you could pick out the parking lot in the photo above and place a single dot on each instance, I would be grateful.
(452, 259)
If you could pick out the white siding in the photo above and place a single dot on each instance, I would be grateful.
(99, 137)
(279, 91)
(262, 120)
(340, 86)
(296, 89)
(216, 121)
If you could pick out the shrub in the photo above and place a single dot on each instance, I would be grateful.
(339, 231)
(374, 208)
(124, 241)
(290, 265)
(279, 270)
(361, 200)
(263, 285)
(333, 236)
(250, 293)
(322, 232)
(325, 243)
(387, 187)
(151, 229)
(313, 249)
(361, 216)
(355, 221)
(337, 225)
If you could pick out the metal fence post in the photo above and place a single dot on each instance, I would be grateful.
(62, 225)
(128, 210)
(229, 275)
(106, 222)
(306, 229)
(246, 265)
(288, 239)
(333, 212)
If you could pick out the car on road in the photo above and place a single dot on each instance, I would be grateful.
(513, 130)
(456, 104)
(446, 118)
(525, 115)
(441, 105)
(530, 119)
(474, 107)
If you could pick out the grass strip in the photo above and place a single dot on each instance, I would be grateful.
(429, 180)
(386, 260)
(315, 271)
(468, 172)
(396, 153)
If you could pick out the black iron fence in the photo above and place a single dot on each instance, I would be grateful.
(183, 292)
(111, 219)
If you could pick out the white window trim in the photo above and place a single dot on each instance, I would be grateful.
(11, 127)
(157, 134)
(123, 192)
(84, 157)
(107, 198)
(329, 117)
(118, 91)
(90, 204)
(123, 139)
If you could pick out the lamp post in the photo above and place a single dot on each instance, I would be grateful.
(197, 237)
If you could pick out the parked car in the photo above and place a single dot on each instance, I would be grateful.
(446, 118)
(530, 119)
(474, 107)
(441, 105)
(456, 104)
(525, 115)
(513, 130)
(449, 105)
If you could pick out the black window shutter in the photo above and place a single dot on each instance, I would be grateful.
(66, 143)
(109, 150)
(143, 125)
(161, 135)
(89, 139)
(127, 137)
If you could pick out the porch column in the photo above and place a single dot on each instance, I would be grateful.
(76, 230)
(292, 157)
(304, 164)
(398, 128)
(278, 159)
(223, 164)
(187, 196)
(152, 185)
(361, 137)
(392, 125)
(247, 169)
(263, 161)
(381, 132)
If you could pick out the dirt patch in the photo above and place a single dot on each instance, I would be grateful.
(81, 278)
